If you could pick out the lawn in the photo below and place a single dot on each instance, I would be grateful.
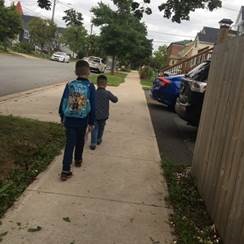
(190, 218)
(113, 80)
(26, 148)
(146, 84)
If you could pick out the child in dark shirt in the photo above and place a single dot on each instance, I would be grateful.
(102, 99)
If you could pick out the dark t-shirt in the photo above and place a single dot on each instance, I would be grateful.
(102, 99)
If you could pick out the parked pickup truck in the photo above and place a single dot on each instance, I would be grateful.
(96, 64)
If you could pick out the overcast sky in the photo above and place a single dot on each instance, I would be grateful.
(162, 30)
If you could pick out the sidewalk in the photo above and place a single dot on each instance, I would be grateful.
(117, 197)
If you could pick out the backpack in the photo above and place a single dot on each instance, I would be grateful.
(77, 105)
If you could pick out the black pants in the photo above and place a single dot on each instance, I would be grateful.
(75, 140)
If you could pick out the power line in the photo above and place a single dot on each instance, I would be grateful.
(230, 9)
(171, 34)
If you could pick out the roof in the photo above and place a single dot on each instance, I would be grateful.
(208, 34)
(184, 42)
(175, 49)
(26, 20)
(226, 22)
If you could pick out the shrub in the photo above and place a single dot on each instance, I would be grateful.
(24, 47)
(146, 72)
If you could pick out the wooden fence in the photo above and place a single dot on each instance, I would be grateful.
(218, 163)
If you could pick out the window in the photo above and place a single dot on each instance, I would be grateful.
(200, 73)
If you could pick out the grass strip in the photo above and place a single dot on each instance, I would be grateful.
(26, 147)
(146, 84)
(113, 80)
(190, 219)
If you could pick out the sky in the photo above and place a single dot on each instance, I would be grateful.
(160, 29)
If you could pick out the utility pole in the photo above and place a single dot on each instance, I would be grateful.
(54, 6)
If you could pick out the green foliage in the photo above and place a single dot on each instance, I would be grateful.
(146, 83)
(176, 10)
(159, 58)
(75, 38)
(10, 23)
(73, 18)
(146, 72)
(122, 35)
(95, 46)
(190, 219)
(42, 33)
(26, 149)
(23, 47)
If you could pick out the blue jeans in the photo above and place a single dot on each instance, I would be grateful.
(75, 140)
(97, 132)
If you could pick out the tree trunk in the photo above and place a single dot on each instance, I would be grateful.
(113, 65)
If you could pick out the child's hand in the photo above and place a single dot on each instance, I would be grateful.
(91, 127)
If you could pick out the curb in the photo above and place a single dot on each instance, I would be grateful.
(27, 93)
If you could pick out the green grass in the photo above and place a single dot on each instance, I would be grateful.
(26, 148)
(190, 218)
(113, 80)
(146, 84)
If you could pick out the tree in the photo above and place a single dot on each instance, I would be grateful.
(42, 33)
(159, 58)
(10, 23)
(75, 36)
(73, 18)
(122, 34)
(176, 10)
(95, 46)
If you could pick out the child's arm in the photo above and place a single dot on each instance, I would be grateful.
(91, 118)
(65, 96)
(112, 98)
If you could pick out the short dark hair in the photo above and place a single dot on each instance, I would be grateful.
(102, 80)
(81, 67)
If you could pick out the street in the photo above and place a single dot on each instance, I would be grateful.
(21, 74)
(175, 138)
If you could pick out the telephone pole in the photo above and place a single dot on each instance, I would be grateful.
(54, 6)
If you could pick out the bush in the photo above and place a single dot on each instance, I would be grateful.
(23, 47)
(146, 72)
(2, 48)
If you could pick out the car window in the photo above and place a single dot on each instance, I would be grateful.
(200, 73)
(60, 53)
(96, 60)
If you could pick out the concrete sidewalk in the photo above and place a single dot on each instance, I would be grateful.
(117, 197)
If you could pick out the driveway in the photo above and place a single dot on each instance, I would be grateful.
(21, 74)
(175, 138)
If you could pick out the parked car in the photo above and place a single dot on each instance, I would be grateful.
(96, 64)
(189, 103)
(61, 57)
(166, 89)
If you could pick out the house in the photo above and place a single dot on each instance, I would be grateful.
(240, 22)
(174, 51)
(205, 39)
(24, 36)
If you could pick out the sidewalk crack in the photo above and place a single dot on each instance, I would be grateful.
(99, 198)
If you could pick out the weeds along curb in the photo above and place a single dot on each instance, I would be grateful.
(190, 218)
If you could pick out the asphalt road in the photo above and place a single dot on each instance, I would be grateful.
(20, 74)
(175, 138)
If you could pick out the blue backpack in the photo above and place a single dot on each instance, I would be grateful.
(78, 103)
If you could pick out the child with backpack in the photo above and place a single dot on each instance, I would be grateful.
(77, 111)
(102, 98)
